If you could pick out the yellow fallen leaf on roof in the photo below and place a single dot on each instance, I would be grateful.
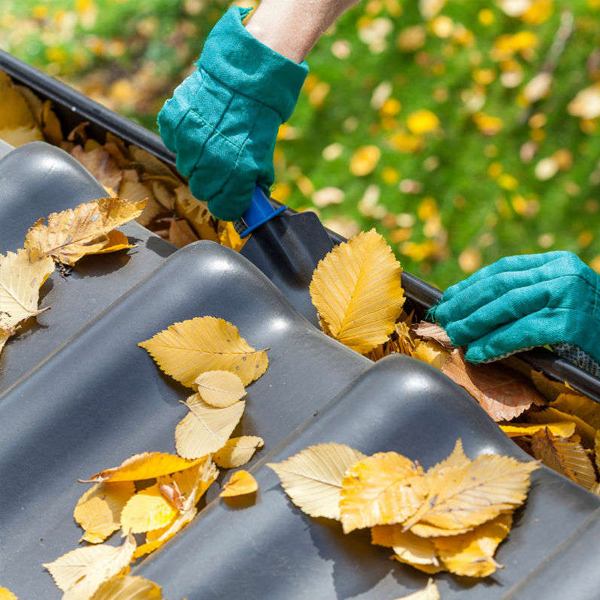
(18, 124)
(220, 388)
(462, 498)
(192, 484)
(408, 548)
(430, 352)
(597, 449)
(186, 349)
(229, 237)
(457, 460)
(206, 429)
(237, 451)
(20, 282)
(563, 429)
(239, 484)
(73, 233)
(181, 234)
(313, 477)
(148, 509)
(6, 594)
(564, 456)
(430, 592)
(383, 489)
(196, 213)
(357, 291)
(552, 415)
(147, 465)
(128, 587)
(100, 164)
(472, 554)
(98, 511)
(80, 573)
(580, 406)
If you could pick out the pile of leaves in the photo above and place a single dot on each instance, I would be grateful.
(451, 517)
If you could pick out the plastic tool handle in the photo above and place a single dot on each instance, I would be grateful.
(259, 212)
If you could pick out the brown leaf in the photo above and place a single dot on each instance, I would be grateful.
(431, 331)
(181, 234)
(503, 393)
(101, 165)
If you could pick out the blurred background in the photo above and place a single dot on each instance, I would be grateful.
(463, 130)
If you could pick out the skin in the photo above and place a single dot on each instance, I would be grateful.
(293, 27)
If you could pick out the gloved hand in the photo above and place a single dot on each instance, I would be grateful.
(222, 121)
(521, 302)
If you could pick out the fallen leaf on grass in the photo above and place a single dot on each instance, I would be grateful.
(20, 282)
(502, 392)
(147, 465)
(73, 233)
(239, 484)
(430, 592)
(220, 388)
(357, 291)
(237, 451)
(128, 587)
(206, 429)
(98, 511)
(564, 456)
(80, 573)
(313, 478)
(186, 349)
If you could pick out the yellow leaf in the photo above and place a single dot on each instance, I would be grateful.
(116, 240)
(597, 449)
(147, 510)
(206, 429)
(472, 554)
(128, 587)
(357, 290)
(20, 282)
(564, 456)
(18, 124)
(229, 237)
(364, 160)
(313, 477)
(6, 594)
(552, 415)
(80, 573)
(192, 484)
(186, 349)
(237, 451)
(456, 460)
(431, 592)
(51, 127)
(147, 465)
(220, 388)
(100, 164)
(408, 547)
(383, 489)
(98, 511)
(239, 484)
(563, 429)
(580, 406)
(196, 213)
(181, 234)
(430, 352)
(73, 233)
(463, 497)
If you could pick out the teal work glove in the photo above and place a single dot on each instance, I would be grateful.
(222, 121)
(521, 302)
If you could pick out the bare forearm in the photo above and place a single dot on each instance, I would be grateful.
(293, 27)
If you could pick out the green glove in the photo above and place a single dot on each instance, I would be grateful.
(521, 302)
(222, 121)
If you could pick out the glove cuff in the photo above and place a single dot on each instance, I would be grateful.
(237, 59)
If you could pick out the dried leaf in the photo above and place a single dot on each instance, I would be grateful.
(383, 489)
(430, 592)
(229, 237)
(186, 349)
(98, 511)
(239, 484)
(237, 451)
(73, 233)
(313, 477)
(100, 164)
(562, 428)
(431, 352)
(196, 213)
(18, 124)
(181, 234)
(580, 406)
(133, 191)
(358, 293)
(128, 587)
(472, 554)
(597, 449)
(564, 456)
(462, 498)
(51, 127)
(147, 510)
(408, 548)
(6, 594)
(456, 460)
(20, 282)
(552, 415)
(80, 573)
(150, 164)
(116, 240)
(431, 331)
(220, 388)
(147, 465)
(503, 393)
(206, 429)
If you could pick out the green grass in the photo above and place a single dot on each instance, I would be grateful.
(476, 211)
